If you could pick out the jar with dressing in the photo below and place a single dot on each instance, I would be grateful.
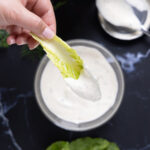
(120, 20)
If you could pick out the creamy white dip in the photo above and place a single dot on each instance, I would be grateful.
(67, 105)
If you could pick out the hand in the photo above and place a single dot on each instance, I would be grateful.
(20, 17)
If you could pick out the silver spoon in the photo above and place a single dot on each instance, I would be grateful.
(142, 16)
(86, 86)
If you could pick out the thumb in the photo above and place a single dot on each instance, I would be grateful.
(33, 23)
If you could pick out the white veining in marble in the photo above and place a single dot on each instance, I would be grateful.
(128, 60)
(8, 131)
(6, 104)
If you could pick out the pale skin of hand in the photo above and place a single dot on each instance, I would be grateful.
(20, 17)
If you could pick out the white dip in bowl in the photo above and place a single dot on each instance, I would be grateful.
(67, 109)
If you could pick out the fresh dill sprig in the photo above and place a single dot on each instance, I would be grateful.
(3, 37)
(32, 54)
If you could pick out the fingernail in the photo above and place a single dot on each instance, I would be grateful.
(12, 41)
(21, 43)
(32, 48)
(48, 33)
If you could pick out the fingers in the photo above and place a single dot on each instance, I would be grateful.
(11, 39)
(41, 7)
(20, 36)
(34, 23)
(44, 9)
(41, 22)
(2, 27)
(30, 4)
(17, 35)
(12, 29)
(22, 39)
(32, 44)
(49, 19)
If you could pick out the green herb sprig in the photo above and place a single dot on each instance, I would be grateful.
(3, 37)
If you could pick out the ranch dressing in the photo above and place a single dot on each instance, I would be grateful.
(65, 104)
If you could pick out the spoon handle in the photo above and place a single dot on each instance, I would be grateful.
(146, 32)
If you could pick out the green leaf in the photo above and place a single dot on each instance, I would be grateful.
(99, 144)
(62, 55)
(37, 53)
(89, 144)
(3, 37)
(113, 146)
(60, 145)
(86, 143)
(81, 144)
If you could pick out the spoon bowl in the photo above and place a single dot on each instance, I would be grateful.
(86, 86)
(142, 16)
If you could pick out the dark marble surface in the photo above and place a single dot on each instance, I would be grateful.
(22, 124)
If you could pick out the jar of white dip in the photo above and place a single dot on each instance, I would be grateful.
(68, 110)
(118, 19)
